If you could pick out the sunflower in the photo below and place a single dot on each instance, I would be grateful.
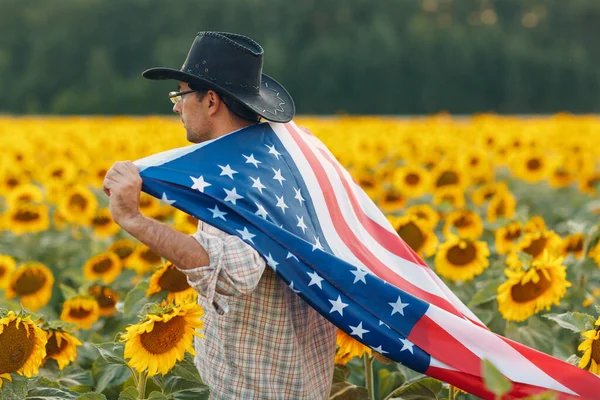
(594, 253)
(531, 166)
(26, 193)
(507, 236)
(23, 346)
(82, 311)
(425, 214)
(348, 348)
(534, 244)
(590, 299)
(560, 176)
(589, 183)
(105, 266)
(573, 244)
(185, 222)
(173, 281)
(591, 350)
(11, 177)
(78, 205)
(149, 206)
(61, 346)
(447, 174)
(391, 199)
(453, 195)
(485, 192)
(467, 223)
(123, 248)
(59, 173)
(163, 337)
(535, 224)
(415, 233)
(502, 205)
(144, 260)
(97, 173)
(32, 283)
(367, 181)
(7, 266)
(461, 259)
(27, 218)
(477, 162)
(107, 299)
(526, 292)
(412, 180)
(103, 224)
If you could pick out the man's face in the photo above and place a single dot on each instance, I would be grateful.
(193, 115)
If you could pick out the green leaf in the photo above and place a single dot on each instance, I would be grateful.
(197, 393)
(67, 291)
(135, 300)
(15, 390)
(176, 383)
(494, 380)
(348, 391)
(112, 353)
(536, 334)
(131, 393)
(157, 396)
(427, 388)
(389, 381)
(92, 396)
(575, 321)
(340, 373)
(50, 393)
(76, 377)
(487, 293)
(108, 375)
(187, 370)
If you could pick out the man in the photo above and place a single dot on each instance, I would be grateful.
(261, 341)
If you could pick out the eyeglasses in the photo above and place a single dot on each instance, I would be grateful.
(176, 96)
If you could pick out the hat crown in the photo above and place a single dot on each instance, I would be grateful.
(227, 59)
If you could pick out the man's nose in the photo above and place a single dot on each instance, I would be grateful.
(177, 107)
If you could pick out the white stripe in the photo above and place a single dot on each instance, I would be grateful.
(412, 272)
(487, 345)
(453, 298)
(316, 195)
(434, 362)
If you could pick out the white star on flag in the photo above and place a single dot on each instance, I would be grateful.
(261, 212)
(317, 244)
(315, 279)
(226, 170)
(290, 255)
(281, 204)
(278, 176)
(407, 345)
(164, 199)
(273, 151)
(359, 275)
(358, 330)
(380, 350)
(301, 224)
(272, 263)
(338, 305)
(200, 183)
(398, 306)
(218, 213)
(246, 235)
(383, 323)
(298, 196)
(291, 286)
(252, 160)
(257, 184)
(232, 195)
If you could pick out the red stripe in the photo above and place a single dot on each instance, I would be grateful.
(353, 242)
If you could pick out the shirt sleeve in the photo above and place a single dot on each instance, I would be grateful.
(235, 269)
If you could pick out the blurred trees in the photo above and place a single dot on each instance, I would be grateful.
(355, 56)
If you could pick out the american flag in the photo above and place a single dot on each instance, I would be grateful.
(281, 190)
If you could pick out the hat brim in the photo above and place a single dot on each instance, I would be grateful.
(272, 102)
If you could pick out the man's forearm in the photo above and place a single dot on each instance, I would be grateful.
(179, 248)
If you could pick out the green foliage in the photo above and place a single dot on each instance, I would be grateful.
(427, 388)
(575, 321)
(494, 380)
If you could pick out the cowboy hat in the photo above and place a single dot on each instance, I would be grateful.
(232, 64)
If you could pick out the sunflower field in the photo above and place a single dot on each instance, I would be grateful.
(505, 210)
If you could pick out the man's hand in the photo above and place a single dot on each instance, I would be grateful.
(123, 185)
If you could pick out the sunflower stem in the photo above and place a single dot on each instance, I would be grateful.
(452, 395)
(369, 381)
(134, 375)
(141, 386)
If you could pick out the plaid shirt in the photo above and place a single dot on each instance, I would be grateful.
(262, 341)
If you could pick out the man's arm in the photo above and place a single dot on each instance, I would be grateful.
(123, 185)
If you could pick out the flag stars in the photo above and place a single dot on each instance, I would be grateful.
(359, 275)
(338, 305)
(199, 183)
(278, 176)
(226, 170)
(317, 244)
(291, 286)
(398, 306)
(380, 350)
(257, 184)
(232, 196)
(407, 345)
(216, 213)
(261, 212)
(281, 203)
(273, 151)
(290, 255)
(252, 160)
(298, 196)
(246, 235)
(271, 262)
(315, 279)
(164, 199)
(358, 330)
(301, 224)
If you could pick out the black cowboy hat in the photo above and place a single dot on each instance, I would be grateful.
(231, 64)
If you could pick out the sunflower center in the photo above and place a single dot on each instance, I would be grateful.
(392, 196)
(533, 164)
(173, 280)
(102, 266)
(16, 347)
(412, 235)
(104, 297)
(512, 234)
(25, 197)
(164, 336)
(52, 346)
(29, 282)
(78, 201)
(101, 221)
(530, 290)
(596, 351)
(2, 270)
(461, 257)
(145, 202)
(412, 179)
(368, 183)
(594, 182)
(123, 252)
(12, 182)
(58, 173)
(151, 257)
(474, 162)
(536, 247)
(26, 216)
(501, 208)
(489, 195)
(573, 246)
(447, 178)
(79, 312)
(462, 222)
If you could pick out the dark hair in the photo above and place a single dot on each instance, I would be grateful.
(235, 106)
